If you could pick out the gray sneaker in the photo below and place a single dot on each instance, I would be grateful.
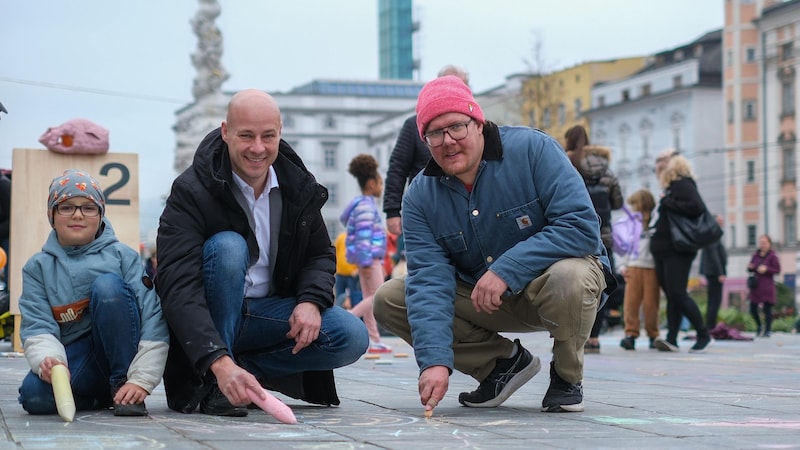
(508, 376)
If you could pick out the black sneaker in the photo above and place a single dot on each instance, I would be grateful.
(702, 345)
(628, 343)
(562, 396)
(508, 376)
(652, 343)
(216, 404)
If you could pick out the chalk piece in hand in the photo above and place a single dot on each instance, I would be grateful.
(428, 414)
(62, 391)
(273, 407)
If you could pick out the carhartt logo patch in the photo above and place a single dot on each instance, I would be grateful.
(524, 222)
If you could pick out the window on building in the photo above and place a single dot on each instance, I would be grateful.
(562, 114)
(787, 98)
(577, 78)
(333, 194)
(288, 121)
(678, 55)
(731, 112)
(788, 164)
(750, 54)
(330, 155)
(334, 228)
(749, 110)
(729, 58)
(789, 229)
(787, 51)
(677, 81)
(676, 138)
(601, 101)
(532, 118)
(750, 176)
(329, 121)
(578, 108)
(645, 146)
(626, 95)
(732, 178)
(546, 117)
(646, 90)
(751, 236)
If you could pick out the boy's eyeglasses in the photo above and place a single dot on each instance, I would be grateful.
(65, 209)
(457, 131)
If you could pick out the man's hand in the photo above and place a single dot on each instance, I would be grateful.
(433, 384)
(395, 225)
(722, 279)
(234, 381)
(305, 321)
(486, 295)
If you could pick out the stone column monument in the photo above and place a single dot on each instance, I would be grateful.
(194, 121)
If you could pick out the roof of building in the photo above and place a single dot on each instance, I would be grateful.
(707, 49)
(379, 88)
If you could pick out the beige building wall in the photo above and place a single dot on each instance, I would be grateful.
(555, 102)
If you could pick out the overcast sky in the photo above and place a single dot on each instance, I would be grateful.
(126, 65)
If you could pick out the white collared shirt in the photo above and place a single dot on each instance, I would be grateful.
(258, 278)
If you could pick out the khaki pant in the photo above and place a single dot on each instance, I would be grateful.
(642, 292)
(562, 301)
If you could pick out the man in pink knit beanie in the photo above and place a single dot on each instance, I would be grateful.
(500, 235)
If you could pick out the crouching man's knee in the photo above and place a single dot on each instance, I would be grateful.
(567, 296)
(389, 307)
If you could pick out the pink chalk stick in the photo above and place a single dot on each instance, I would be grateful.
(273, 407)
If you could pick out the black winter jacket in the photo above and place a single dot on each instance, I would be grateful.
(680, 198)
(409, 156)
(204, 202)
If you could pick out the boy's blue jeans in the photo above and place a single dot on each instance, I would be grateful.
(99, 360)
(255, 328)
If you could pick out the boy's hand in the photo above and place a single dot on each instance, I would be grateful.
(46, 368)
(130, 394)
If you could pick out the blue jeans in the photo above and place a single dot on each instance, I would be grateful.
(348, 285)
(99, 360)
(254, 329)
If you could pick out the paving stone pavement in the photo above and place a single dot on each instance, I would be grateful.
(741, 394)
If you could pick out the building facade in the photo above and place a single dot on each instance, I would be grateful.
(761, 41)
(556, 101)
(674, 102)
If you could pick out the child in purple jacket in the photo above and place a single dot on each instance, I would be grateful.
(366, 242)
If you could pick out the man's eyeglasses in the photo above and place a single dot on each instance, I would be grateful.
(457, 131)
(65, 209)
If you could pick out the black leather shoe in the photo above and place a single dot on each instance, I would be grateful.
(216, 404)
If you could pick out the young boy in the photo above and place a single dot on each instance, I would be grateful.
(87, 304)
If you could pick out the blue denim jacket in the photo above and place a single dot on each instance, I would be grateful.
(528, 208)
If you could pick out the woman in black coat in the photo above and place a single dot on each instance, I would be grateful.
(672, 266)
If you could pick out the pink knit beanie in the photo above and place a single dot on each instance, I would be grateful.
(445, 95)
